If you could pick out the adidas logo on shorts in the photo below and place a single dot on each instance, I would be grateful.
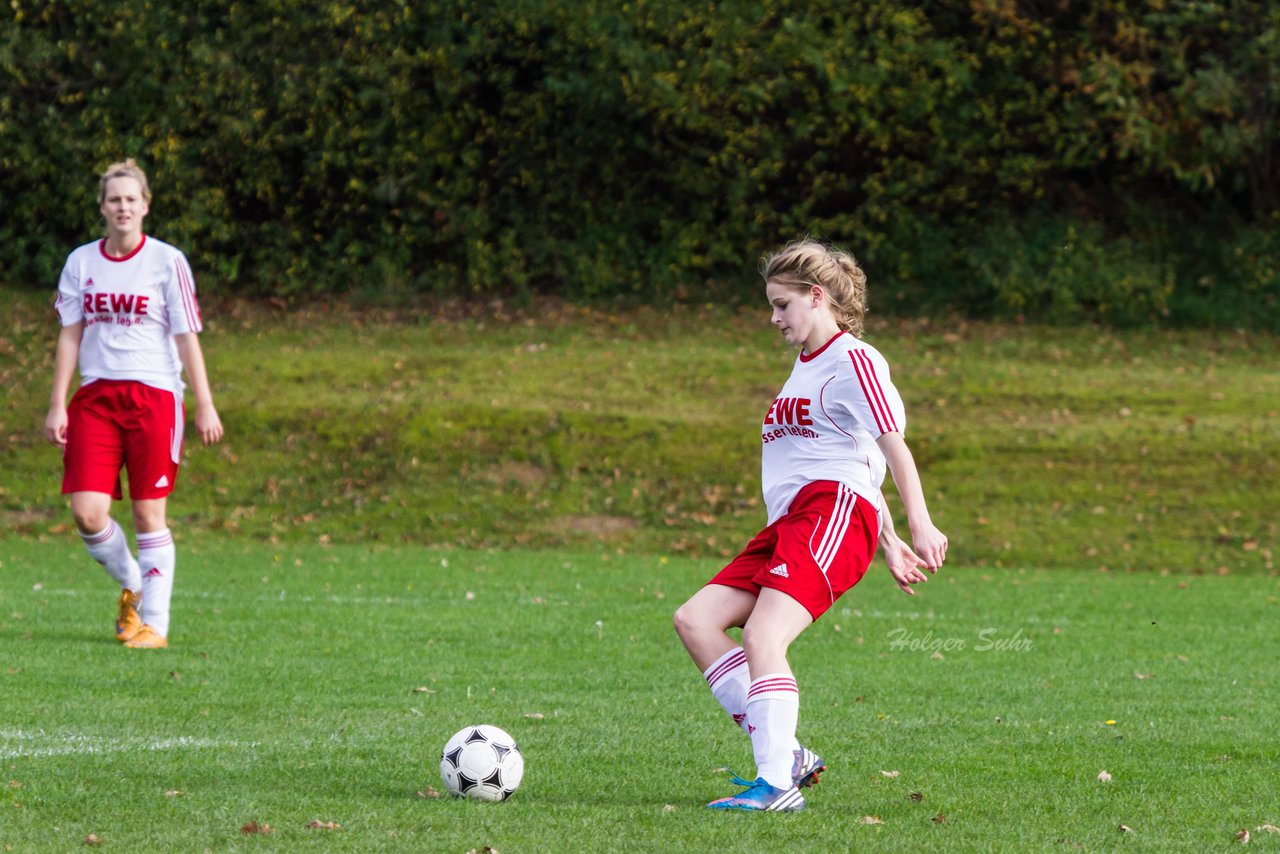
(780, 570)
(162, 482)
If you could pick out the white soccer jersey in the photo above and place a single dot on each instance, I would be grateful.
(825, 422)
(131, 308)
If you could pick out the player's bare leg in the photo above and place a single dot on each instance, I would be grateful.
(702, 621)
(701, 624)
(91, 510)
(157, 559)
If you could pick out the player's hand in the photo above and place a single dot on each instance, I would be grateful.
(904, 566)
(931, 545)
(55, 426)
(208, 424)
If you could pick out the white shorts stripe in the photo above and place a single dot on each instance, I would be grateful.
(836, 528)
(175, 437)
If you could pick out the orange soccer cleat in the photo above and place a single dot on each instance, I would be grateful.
(146, 638)
(128, 623)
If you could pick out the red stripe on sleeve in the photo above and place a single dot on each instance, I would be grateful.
(874, 394)
(187, 288)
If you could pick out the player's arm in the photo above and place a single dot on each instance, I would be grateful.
(904, 564)
(208, 424)
(65, 358)
(929, 542)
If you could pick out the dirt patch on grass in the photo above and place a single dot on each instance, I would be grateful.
(35, 521)
(510, 471)
(598, 525)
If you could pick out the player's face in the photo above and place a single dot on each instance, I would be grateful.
(123, 206)
(795, 313)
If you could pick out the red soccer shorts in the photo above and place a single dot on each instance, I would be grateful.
(113, 424)
(820, 548)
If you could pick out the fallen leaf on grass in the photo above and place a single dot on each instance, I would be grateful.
(317, 824)
(484, 850)
(939, 819)
(1124, 828)
(254, 827)
(92, 839)
(1137, 675)
(871, 819)
(537, 716)
(429, 793)
(423, 689)
(1269, 828)
(1104, 777)
(669, 808)
(1242, 836)
(916, 797)
(174, 793)
(14, 784)
(890, 773)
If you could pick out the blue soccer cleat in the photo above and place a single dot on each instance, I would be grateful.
(804, 772)
(808, 766)
(761, 797)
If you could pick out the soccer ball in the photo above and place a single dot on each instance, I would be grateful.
(481, 762)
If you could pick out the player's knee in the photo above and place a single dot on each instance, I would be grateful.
(685, 621)
(760, 638)
(89, 519)
(148, 516)
(679, 620)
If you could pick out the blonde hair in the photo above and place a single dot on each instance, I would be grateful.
(801, 264)
(126, 169)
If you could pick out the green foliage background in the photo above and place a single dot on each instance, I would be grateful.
(1109, 161)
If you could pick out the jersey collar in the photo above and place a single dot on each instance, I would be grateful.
(102, 247)
(809, 357)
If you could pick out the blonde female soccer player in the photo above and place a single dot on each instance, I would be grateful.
(129, 317)
(827, 439)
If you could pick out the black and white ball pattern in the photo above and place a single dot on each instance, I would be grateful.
(481, 762)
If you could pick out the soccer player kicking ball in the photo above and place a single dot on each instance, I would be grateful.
(129, 317)
(827, 439)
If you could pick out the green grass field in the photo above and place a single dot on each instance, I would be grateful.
(319, 683)
(477, 516)
(574, 428)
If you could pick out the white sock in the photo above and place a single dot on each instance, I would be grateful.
(773, 709)
(110, 548)
(157, 557)
(729, 679)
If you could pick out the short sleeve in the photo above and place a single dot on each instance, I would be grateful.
(869, 395)
(180, 296)
(67, 303)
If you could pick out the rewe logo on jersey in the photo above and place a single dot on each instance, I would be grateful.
(780, 570)
(789, 410)
(102, 302)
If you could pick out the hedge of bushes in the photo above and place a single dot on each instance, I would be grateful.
(1110, 160)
